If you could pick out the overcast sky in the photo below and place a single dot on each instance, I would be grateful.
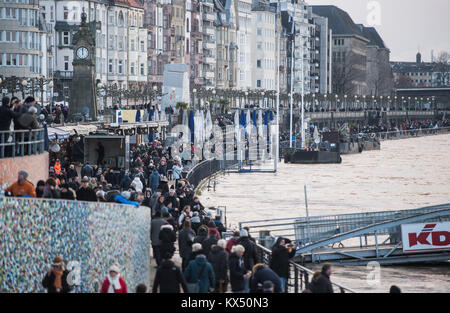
(404, 25)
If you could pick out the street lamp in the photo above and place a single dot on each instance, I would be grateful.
(194, 92)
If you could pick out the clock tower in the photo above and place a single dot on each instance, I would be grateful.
(83, 99)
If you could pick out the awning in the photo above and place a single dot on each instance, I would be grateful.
(56, 133)
(80, 129)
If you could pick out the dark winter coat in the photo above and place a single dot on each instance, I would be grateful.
(205, 277)
(156, 228)
(237, 272)
(169, 278)
(167, 237)
(208, 243)
(49, 281)
(280, 260)
(202, 235)
(185, 241)
(262, 274)
(218, 258)
(322, 284)
(86, 194)
(250, 257)
(87, 170)
(6, 115)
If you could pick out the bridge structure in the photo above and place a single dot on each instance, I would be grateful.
(354, 239)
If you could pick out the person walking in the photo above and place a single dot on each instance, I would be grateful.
(169, 277)
(113, 282)
(238, 272)
(250, 257)
(323, 282)
(185, 241)
(282, 252)
(233, 241)
(156, 224)
(218, 258)
(202, 235)
(167, 236)
(200, 275)
(55, 281)
(262, 274)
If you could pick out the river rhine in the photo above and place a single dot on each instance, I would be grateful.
(405, 174)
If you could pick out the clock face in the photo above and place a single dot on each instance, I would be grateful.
(82, 53)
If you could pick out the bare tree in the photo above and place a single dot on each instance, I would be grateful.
(442, 70)
(403, 82)
(347, 69)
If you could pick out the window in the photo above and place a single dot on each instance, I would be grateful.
(132, 45)
(66, 63)
(149, 69)
(51, 13)
(66, 12)
(110, 66)
(187, 25)
(120, 66)
(258, 83)
(142, 69)
(259, 32)
(150, 41)
(75, 13)
(65, 38)
(142, 46)
(132, 68)
(258, 63)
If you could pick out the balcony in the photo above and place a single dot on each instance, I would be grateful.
(209, 16)
(209, 45)
(209, 31)
(209, 60)
(63, 75)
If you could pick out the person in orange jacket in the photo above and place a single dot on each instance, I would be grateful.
(22, 188)
(57, 167)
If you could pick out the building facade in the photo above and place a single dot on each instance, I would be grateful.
(24, 43)
(379, 77)
(349, 51)
(120, 37)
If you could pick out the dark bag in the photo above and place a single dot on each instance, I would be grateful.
(195, 287)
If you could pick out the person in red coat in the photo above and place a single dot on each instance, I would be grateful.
(113, 282)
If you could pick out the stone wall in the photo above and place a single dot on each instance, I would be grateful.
(36, 166)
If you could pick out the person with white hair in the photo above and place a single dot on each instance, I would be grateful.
(218, 257)
(238, 272)
(28, 119)
(113, 282)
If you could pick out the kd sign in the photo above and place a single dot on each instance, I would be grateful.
(426, 237)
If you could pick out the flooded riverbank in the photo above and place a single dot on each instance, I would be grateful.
(405, 174)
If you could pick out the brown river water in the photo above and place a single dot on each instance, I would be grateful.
(405, 174)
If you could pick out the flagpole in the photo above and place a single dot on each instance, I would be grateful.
(278, 89)
(292, 79)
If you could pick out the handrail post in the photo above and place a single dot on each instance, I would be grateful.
(296, 279)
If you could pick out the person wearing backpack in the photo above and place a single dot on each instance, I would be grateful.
(200, 275)
(169, 277)
(185, 241)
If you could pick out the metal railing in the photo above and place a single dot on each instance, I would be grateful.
(206, 169)
(299, 276)
(21, 143)
(402, 134)
(302, 231)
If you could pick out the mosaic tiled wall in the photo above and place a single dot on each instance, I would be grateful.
(35, 165)
(93, 234)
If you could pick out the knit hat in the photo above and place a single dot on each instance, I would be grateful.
(58, 261)
(24, 174)
(126, 194)
(115, 268)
